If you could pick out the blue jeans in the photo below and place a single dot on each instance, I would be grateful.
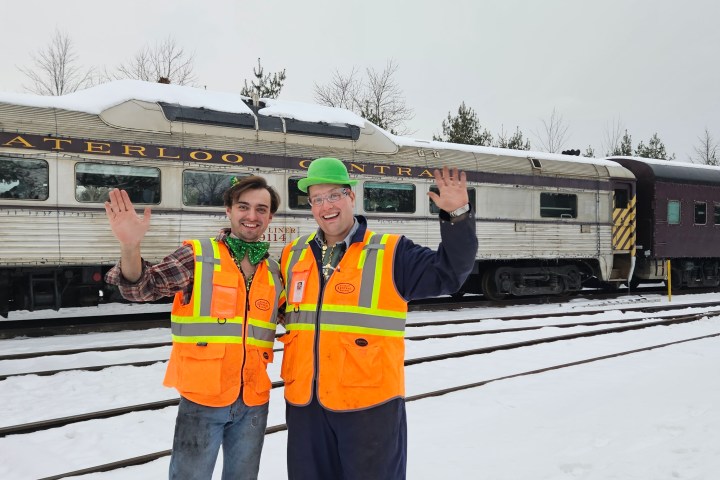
(199, 431)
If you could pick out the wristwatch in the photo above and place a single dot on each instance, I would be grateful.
(456, 213)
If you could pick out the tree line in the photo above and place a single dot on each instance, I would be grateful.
(373, 94)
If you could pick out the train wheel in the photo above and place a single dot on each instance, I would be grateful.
(489, 287)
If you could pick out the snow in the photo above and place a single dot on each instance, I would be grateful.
(310, 113)
(650, 415)
(101, 97)
(96, 99)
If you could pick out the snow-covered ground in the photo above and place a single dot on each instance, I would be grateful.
(648, 416)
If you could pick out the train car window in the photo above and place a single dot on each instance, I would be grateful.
(389, 197)
(93, 182)
(205, 189)
(700, 213)
(297, 199)
(621, 198)
(673, 212)
(434, 210)
(24, 179)
(558, 205)
(716, 214)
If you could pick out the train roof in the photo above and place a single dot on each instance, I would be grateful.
(197, 105)
(670, 170)
(95, 100)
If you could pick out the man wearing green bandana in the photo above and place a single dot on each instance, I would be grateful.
(227, 294)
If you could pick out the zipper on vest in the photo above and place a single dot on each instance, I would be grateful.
(244, 334)
(316, 343)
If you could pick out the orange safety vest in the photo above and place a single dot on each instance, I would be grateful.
(223, 335)
(349, 338)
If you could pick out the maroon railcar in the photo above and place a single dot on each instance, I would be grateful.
(678, 219)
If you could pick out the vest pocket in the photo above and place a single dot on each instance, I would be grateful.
(224, 295)
(289, 361)
(257, 362)
(361, 362)
(200, 368)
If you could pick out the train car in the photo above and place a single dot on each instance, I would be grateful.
(678, 219)
(546, 223)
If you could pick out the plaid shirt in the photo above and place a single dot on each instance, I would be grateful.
(172, 275)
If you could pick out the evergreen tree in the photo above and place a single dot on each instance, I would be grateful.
(625, 147)
(464, 128)
(266, 86)
(654, 149)
(515, 142)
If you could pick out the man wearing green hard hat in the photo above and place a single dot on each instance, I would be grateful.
(347, 292)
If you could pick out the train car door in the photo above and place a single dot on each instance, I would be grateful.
(623, 230)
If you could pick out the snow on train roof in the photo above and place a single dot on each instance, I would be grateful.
(433, 144)
(101, 97)
(96, 99)
(666, 163)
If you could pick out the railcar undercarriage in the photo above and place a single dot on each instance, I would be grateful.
(499, 281)
(38, 288)
(686, 272)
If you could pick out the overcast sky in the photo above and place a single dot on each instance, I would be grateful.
(651, 65)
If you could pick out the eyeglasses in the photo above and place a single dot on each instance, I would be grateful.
(331, 197)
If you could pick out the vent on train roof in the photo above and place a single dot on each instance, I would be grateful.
(177, 113)
(350, 132)
(265, 123)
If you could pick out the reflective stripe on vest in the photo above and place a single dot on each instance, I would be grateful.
(365, 317)
(202, 326)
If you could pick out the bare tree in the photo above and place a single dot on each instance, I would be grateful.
(343, 91)
(384, 103)
(553, 136)
(378, 98)
(166, 62)
(706, 152)
(55, 69)
(613, 137)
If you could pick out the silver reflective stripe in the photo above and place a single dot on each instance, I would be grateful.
(297, 249)
(347, 319)
(261, 333)
(274, 269)
(301, 317)
(366, 321)
(207, 329)
(208, 261)
(367, 283)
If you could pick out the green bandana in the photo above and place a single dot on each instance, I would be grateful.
(255, 251)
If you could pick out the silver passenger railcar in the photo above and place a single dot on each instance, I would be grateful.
(546, 223)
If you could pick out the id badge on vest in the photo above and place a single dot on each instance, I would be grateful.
(297, 289)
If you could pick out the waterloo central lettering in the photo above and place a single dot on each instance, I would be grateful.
(29, 143)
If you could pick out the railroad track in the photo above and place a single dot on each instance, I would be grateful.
(142, 321)
(620, 325)
(139, 460)
(58, 422)
(410, 326)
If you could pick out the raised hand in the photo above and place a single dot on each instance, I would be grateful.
(453, 189)
(125, 223)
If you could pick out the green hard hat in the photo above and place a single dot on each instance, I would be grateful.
(325, 170)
